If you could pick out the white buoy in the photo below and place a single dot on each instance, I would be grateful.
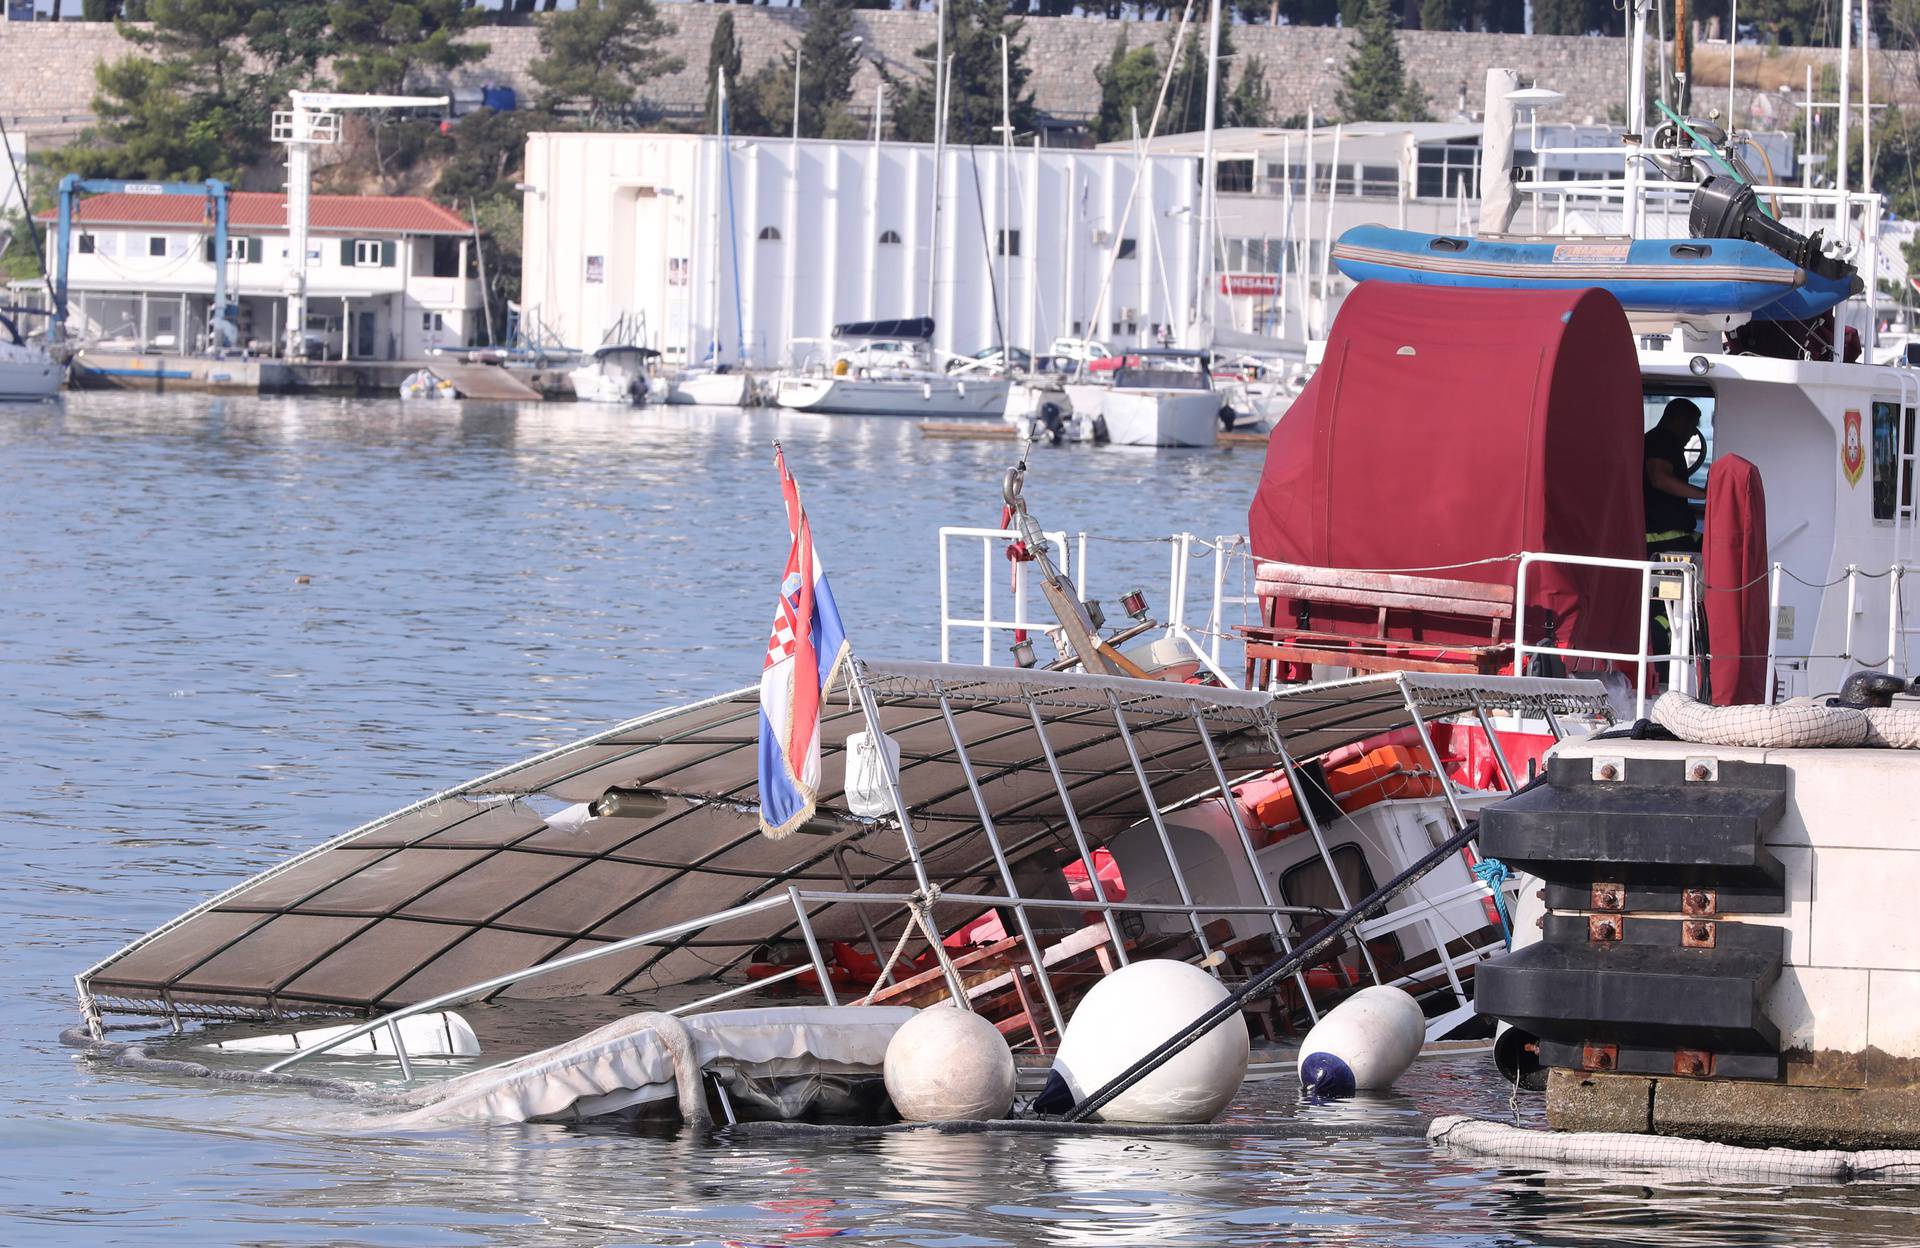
(946, 1065)
(1365, 1042)
(1126, 1016)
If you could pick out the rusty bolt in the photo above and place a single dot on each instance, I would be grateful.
(1603, 1060)
(1541, 922)
(1607, 899)
(1609, 772)
(1699, 931)
(1700, 772)
(1604, 929)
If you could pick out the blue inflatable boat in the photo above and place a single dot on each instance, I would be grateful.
(1683, 276)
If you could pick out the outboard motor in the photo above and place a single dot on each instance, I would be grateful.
(1724, 208)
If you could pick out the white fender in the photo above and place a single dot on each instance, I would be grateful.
(1126, 1016)
(946, 1065)
(1365, 1042)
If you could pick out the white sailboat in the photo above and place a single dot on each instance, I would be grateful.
(886, 368)
(718, 383)
(27, 371)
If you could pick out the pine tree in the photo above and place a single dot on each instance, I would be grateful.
(723, 58)
(197, 101)
(1187, 93)
(829, 59)
(380, 42)
(1374, 84)
(1251, 103)
(1129, 84)
(599, 53)
(973, 108)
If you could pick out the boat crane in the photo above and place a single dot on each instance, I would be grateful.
(220, 322)
(314, 121)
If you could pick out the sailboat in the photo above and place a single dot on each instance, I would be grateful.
(718, 383)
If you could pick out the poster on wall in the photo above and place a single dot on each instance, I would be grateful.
(596, 269)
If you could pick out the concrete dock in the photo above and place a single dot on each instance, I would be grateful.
(164, 374)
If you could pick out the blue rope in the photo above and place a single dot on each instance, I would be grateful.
(1493, 873)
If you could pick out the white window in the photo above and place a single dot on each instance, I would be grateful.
(769, 234)
(238, 249)
(156, 244)
(366, 253)
(86, 244)
(432, 322)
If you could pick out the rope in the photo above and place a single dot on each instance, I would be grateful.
(920, 909)
(1494, 873)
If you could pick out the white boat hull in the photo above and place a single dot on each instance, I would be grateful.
(903, 396)
(28, 373)
(711, 389)
(1150, 417)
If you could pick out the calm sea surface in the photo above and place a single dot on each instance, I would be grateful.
(177, 712)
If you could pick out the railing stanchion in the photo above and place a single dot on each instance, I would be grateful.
(1159, 824)
(813, 945)
(1253, 856)
(1006, 868)
(1079, 835)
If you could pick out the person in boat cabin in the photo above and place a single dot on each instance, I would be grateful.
(1670, 517)
(1671, 528)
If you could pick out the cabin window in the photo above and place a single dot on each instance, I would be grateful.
(769, 234)
(86, 244)
(888, 238)
(1890, 466)
(1654, 402)
(1128, 248)
(432, 322)
(1009, 243)
(1308, 884)
(156, 244)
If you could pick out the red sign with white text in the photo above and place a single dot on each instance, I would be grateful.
(1256, 284)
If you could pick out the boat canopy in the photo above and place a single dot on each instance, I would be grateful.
(1446, 432)
(513, 870)
(919, 328)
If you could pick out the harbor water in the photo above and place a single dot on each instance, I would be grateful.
(231, 628)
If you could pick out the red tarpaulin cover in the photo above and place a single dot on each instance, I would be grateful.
(1450, 427)
(1735, 552)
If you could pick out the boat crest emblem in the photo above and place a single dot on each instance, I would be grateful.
(1853, 451)
(1590, 253)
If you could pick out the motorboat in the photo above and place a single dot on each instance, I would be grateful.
(1154, 397)
(886, 368)
(27, 370)
(618, 373)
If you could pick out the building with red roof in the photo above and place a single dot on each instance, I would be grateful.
(388, 276)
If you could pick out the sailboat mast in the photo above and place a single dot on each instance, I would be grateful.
(939, 149)
(1203, 277)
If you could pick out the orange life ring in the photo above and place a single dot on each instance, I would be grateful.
(1381, 774)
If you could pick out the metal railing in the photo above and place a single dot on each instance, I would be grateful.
(1653, 576)
(1277, 913)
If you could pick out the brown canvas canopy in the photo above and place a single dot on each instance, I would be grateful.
(511, 870)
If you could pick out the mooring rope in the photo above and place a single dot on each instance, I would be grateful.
(920, 909)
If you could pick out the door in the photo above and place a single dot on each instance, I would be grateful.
(363, 334)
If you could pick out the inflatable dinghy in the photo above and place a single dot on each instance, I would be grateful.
(1684, 276)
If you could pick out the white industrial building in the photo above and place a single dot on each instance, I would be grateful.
(682, 243)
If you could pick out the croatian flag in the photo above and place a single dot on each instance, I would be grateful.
(803, 656)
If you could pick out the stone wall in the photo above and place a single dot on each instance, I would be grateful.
(46, 70)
